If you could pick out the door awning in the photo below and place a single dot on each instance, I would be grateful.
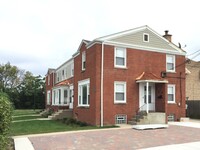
(150, 77)
(63, 83)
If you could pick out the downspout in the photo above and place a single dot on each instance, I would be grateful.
(102, 62)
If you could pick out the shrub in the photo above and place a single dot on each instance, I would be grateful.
(5, 120)
(72, 121)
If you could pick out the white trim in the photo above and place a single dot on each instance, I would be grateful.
(125, 57)
(119, 34)
(174, 63)
(144, 37)
(83, 56)
(85, 81)
(80, 84)
(124, 84)
(174, 93)
(145, 48)
(78, 51)
(152, 81)
(147, 97)
(102, 71)
(93, 43)
(108, 39)
(49, 97)
(75, 54)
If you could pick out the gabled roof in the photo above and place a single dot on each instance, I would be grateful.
(150, 77)
(133, 38)
(50, 70)
(82, 42)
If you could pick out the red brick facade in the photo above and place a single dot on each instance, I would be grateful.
(137, 62)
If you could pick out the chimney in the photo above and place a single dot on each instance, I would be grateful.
(167, 36)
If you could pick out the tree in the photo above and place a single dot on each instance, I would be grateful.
(10, 76)
(24, 89)
(32, 91)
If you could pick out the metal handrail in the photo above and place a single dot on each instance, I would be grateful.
(141, 107)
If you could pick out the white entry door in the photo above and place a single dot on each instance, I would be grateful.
(71, 97)
(151, 96)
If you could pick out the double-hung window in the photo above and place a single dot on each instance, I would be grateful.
(119, 92)
(170, 63)
(120, 57)
(84, 92)
(48, 97)
(83, 60)
(171, 93)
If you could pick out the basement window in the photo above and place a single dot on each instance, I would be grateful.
(171, 117)
(120, 119)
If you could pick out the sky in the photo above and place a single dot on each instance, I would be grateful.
(39, 34)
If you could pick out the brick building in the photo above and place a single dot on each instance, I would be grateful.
(193, 80)
(116, 76)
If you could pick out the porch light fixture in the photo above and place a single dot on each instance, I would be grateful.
(163, 74)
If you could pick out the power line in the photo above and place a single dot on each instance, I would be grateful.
(193, 53)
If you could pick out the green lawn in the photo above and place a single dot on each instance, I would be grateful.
(25, 118)
(40, 126)
(19, 112)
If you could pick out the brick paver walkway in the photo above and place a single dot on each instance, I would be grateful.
(123, 139)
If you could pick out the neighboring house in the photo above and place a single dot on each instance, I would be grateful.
(59, 86)
(193, 80)
(118, 75)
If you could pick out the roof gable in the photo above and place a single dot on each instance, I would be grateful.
(134, 38)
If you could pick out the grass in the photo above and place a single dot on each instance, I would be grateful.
(19, 112)
(25, 118)
(41, 126)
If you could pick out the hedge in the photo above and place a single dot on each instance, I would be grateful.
(5, 120)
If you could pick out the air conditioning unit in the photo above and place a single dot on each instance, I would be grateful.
(163, 74)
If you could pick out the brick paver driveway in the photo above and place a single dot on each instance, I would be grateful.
(114, 139)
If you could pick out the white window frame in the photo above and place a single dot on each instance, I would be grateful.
(125, 59)
(72, 69)
(48, 97)
(115, 90)
(145, 34)
(174, 62)
(174, 93)
(83, 60)
(80, 96)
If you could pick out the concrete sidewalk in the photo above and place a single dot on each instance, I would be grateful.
(185, 146)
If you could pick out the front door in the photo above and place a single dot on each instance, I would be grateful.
(143, 97)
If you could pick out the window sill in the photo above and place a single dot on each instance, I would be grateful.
(82, 71)
(83, 106)
(120, 67)
(60, 104)
(170, 71)
(171, 102)
(120, 103)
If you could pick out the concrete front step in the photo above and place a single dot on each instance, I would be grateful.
(150, 118)
(61, 114)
